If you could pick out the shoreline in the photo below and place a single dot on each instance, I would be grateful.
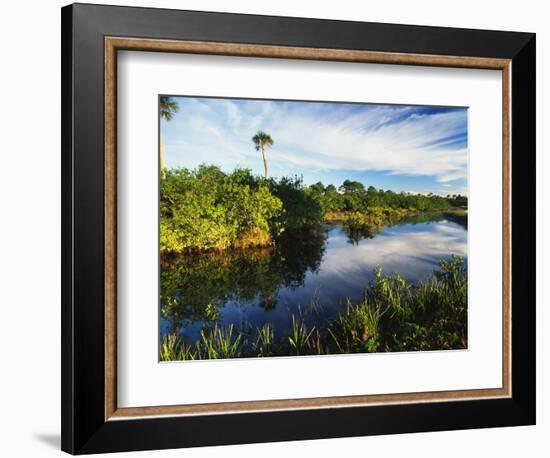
(386, 216)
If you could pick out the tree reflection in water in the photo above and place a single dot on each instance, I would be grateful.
(192, 285)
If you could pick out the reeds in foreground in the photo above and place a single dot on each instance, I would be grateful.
(264, 345)
(394, 316)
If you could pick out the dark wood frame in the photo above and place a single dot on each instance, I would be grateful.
(91, 36)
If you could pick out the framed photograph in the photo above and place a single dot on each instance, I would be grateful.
(281, 228)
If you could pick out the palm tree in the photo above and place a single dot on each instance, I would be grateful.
(167, 107)
(261, 139)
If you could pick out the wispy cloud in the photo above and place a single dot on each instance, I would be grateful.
(319, 139)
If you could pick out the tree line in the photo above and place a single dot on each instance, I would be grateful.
(207, 208)
(353, 196)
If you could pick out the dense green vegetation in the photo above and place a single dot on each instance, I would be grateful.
(207, 209)
(394, 316)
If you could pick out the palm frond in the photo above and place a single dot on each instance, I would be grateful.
(261, 138)
(168, 106)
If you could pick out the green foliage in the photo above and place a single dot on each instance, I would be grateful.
(431, 316)
(394, 316)
(206, 209)
(331, 200)
(352, 196)
(220, 343)
(389, 292)
(456, 200)
(211, 313)
(356, 329)
(214, 343)
(300, 336)
(397, 316)
(262, 139)
(173, 349)
(167, 106)
(301, 209)
(264, 345)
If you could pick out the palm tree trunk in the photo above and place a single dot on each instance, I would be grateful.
(161, 160)
(265, 160)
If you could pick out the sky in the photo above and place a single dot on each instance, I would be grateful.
(417, 149)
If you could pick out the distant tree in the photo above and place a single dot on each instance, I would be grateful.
(167, 107)
(261, 140)
(353, 195)
(352, 187)
(318, 187)
(333, 200)
(373, 200)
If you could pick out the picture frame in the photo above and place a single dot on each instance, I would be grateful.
(92, 35)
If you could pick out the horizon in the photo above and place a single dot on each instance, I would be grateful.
(403, 148)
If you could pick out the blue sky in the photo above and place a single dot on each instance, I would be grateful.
(398, 147)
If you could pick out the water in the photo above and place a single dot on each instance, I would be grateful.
(313, 276)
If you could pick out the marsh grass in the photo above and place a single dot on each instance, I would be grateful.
(393, 316)
(356, 329)
(220, 343)
(174, 349)
(300, 337)
(264, 344)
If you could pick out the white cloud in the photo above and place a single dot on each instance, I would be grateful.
(398, 148)
(383, 138)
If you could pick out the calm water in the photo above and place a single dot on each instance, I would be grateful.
(313, 276)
